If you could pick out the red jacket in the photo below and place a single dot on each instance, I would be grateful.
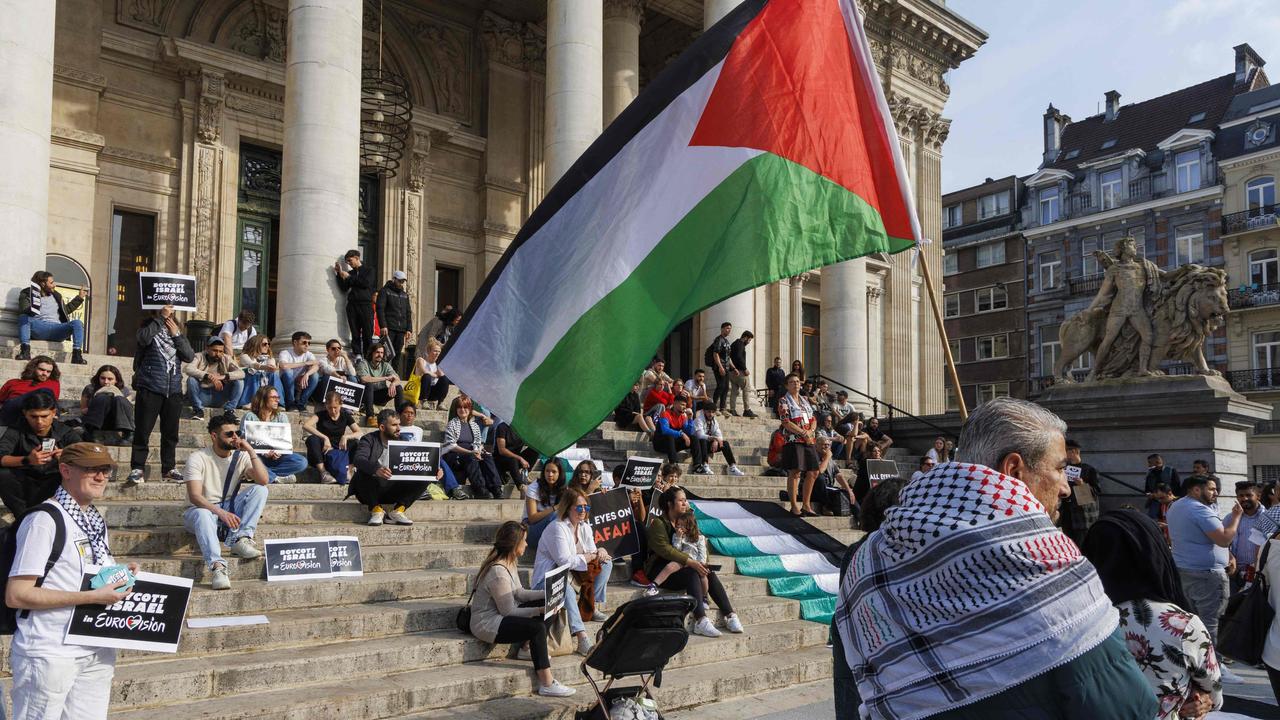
(15, 387)
(656, 396)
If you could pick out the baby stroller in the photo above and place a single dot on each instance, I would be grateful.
(637, 640)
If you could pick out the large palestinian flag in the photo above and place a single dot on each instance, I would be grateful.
(764, 151)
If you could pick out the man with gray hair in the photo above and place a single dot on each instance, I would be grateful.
(969, 603)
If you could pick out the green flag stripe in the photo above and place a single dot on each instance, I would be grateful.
(796, 586)
(818, 609)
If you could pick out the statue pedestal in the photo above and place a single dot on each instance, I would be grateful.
(1120, 422)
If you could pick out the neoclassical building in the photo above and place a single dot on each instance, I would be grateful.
(221, 138)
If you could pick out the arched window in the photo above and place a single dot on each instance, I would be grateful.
(71, 278)
(1260, 193)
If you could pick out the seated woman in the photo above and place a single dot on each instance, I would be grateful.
(541, 497)
(502, 611)
(569, 541)
(1171, 645)
(105, 410)
(629, 414)
(336, 362)
(40, 374)
(265, 407)
(658, 399)
(331, 440)
(586, 478)
(463, 451)
(260, 368)
(435, 386)
(689, 578)
(381, 383)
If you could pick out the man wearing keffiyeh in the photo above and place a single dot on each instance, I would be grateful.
(968, 603)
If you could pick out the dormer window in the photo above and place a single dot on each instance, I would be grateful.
(1073, 154)
(1109, 144)
(1187, 170)
(1195, 118)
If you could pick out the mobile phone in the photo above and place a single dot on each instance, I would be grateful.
(714, 568)
(48, 444)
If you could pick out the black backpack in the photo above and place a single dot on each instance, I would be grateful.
(9, 549)
(709, 357)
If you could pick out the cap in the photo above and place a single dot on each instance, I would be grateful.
(86, 454)
(399, 275)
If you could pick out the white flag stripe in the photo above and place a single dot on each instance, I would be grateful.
(809, 564)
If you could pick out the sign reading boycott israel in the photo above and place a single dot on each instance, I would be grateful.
(160, 289)
(151, 618)
(640, 472)
(417, 461)
(352, 394)
(612, 522)
(312, 558)
(344, 556)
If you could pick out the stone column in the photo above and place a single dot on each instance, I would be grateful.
(319, 192)
(26, 112)
(844, 323)
(621, 55)
(797, 322)
(575, 39)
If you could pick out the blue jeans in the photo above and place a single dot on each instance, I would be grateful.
(293, 400)
(290, 464)
(251, 385)
(247, 505)
(536, 529)
(228, 396)
(571, 596)
(33, 327)
(450, 482)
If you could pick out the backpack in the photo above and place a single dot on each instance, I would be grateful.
(709, 357)
(776, 441)
(9, 550)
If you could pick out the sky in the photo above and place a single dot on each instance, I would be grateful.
(1070, 53)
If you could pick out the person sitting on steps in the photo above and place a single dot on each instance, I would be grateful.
(29, 452)
(213, 377)
(41, 374)
(265, 407)
(466, 456)
(43, 316)
(105, 411)
(372, 484)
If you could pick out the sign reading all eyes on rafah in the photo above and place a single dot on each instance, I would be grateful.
(612, 522)
(161, 289)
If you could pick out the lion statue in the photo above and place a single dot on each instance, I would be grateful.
(1191, 303)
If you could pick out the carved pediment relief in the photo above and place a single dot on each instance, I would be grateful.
(149, 15)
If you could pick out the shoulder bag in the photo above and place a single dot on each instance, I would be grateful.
(1243, 629)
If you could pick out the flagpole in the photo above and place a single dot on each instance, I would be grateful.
(942, 333)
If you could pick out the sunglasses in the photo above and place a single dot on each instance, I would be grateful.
(230, 433)
(582, 508)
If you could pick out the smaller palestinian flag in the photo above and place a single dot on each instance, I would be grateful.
(798, 560)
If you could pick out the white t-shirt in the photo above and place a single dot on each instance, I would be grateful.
(533, 492)
(197, 468)
(238, 337)
(287, 355)
(412, 433)
(40, 634)
(432, 368)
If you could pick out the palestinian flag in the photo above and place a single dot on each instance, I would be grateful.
(764, 151)
(798, 560)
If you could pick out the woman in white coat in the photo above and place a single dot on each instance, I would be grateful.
(569, 541)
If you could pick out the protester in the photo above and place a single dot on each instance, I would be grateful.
(938, 453)
(541, 497)
(440, 328)
(435, 385)
(1170, 645)
(797, 369)
(157, 378)
(1079, 509)
(213, 378)
(1244, 548)
(685, 538)
(41, 374)
(569, 541)
(299, 371)
(670, 438)
(653, 375)
(629, 415)
(52, 678)
(105, 411)
(372, 484)
(358, 284)
(513, 456)
(479, 414)
(775, 379)
(927, 463)
(226, 494)
(1201, 467)
(740, 376)
(708, 439)
(877, 436)
(448, 487)
(43, 316)
(235, 333)
(696, 388)
(1016, 634)
(1271, 646)
(668, 476)
(336, 362)
(466, 456)
(265, 407)
(831, 483)
(658, 399)
(1163, 495)
(1158, 472)
(827, 429)
(862, 484)
(331, 437)
(260, 368)
(672, 506)
(395, 313)
(717, 356)
(798, 455)
(586, 477)
(381, 383)
(502, 611)
(29, 452)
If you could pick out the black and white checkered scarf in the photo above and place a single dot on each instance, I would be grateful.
(90, 522)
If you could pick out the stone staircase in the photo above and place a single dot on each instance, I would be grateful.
(383, 645)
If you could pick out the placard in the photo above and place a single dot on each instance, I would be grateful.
(640, 472)
(880, 470)
(553, 590)
(352, 394)
(304, 558)
(150, 618)
(612, 522)
(344, 557)
(269, 437)
(162, 289)
(414, 461)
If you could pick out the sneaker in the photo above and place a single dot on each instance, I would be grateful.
(732, 623)
(136, 477)
(733, 470)
(703, 469)
(640, 580)
(508, 490)
(705, 628)
(524, 654)
(748, 414)
(327, 478)
(1230, 677)
(244, 548)
(220, 579)
(651, 590)
(584, 646)
(459, 494)
(196, 415)
(375, 517)
(398, 518)
(371, 421)
(731, 412)
(287, 479)
(175, 476)
(555, 689)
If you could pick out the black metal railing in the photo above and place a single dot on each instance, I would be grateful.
(1085, 284)
(1263, 216)
(889, 408)
(1118, 481)
(1254, 380)
(1247, 296)
(1267, 427)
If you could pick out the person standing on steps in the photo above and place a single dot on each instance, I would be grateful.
(717, 356)
(358, 284)
(799, 458)
(395, 316)
(220, 505)
(43, 316)
(740, 376)
(157, 380)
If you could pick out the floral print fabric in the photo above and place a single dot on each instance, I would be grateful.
(1173, 650)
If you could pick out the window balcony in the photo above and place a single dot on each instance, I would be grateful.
(1267, 427)
(1260, 380)
(1250, 296)
(1257, 218)
(1085, 284)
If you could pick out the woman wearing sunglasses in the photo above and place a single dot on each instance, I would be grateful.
(569, 541)
(586, 478)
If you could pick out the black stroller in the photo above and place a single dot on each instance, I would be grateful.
(637, 640)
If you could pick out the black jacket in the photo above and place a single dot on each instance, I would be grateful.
(24, 304)
(394, 312)
(19, 440)
(151, 370)
(738, 355)
(358, 285)
(1164, 474)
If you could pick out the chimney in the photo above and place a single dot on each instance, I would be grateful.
(1054, 121)
(1113, 105)
(1246, 62)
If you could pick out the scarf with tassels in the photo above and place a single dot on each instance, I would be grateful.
(90, 522)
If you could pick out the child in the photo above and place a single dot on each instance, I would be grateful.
(1163, 496)
(688, 540)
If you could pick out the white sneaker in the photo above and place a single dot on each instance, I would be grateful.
(398, 518)
(651, 590)
(136, 477)
(555, 689)
(244, 548)
(733, 470)
(706, 628)
(326, 478)
(732, 623)
(220, 579)
(584, 645)
(175, 476)
(524, 654)
(286, 479)
(375, 517)
(1230, 677)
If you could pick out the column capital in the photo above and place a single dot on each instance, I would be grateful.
(632, 10)
(798, 281)
(515, 44)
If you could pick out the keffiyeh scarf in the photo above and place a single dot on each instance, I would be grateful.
(90, 523)
(967, 589)
(37, 296)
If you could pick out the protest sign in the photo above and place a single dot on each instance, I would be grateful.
(416, 461)
(161, 289)
(304, 558)
(612, 522)
(268, 437)
(352, 394)
(344, 556)
(553, 590)
(640, 472)
(880, 470)
(149, 619)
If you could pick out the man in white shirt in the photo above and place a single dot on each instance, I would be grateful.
(237, 331)
(299, 371)
(53, 679)
(697, 387)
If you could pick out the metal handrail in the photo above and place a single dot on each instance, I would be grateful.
(1118, 481)
(877, 402)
